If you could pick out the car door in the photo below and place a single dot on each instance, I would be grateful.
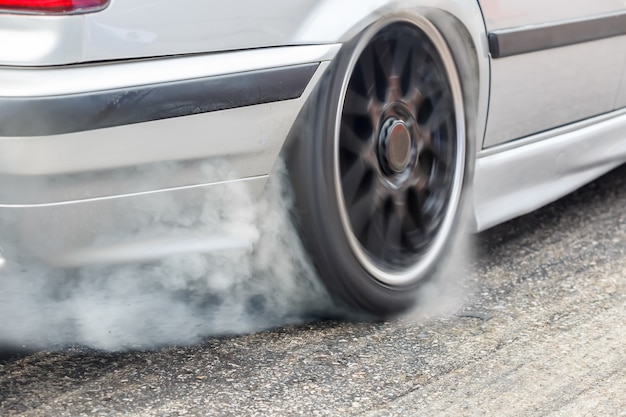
(552, 63)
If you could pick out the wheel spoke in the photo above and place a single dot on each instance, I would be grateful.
(424, 209)
(356, 181)
(419, 178)
(349, 140)
(356, 104)
(395, 212)
(401, 55)
(429, 76)
(430, 214)
(382, 70)
(382, 53)
(438, 147)
(414, 98)
(440, 113)
(436, 182)
(444, 109)
(426, 139)
(429, 84)
(361, 213)
(417, 67)
(366, 66)
(415, 239)
(394, 237)
(415, 209)
(375, 234)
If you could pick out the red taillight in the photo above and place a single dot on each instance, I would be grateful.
(52, 6)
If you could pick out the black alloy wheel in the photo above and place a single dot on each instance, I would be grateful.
(378, 165)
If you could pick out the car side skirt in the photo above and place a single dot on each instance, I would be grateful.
(516, 178)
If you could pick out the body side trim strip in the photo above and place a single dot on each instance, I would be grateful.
(525, 39)
(52, 115)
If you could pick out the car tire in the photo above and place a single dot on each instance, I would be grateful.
(379, 163)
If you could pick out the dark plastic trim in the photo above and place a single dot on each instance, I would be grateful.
(522, 40)
(53, 115)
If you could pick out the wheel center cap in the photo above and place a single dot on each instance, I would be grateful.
(398, 149)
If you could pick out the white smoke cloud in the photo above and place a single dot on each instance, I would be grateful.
(178, 299)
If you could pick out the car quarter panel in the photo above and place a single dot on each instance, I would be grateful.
(146, 28)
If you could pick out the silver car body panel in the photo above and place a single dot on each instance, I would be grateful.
(77, 79)
(543, 81)
(129, 192)
(129, 29)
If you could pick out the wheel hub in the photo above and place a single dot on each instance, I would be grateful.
(395, 146)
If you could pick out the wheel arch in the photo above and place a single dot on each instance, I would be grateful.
(460, 23)
(472, 64)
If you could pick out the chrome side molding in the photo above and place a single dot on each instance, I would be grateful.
(533, 38)
(53, 115)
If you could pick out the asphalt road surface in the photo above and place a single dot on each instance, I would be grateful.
(542, 332)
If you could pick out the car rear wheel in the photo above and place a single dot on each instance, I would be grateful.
(378, 165)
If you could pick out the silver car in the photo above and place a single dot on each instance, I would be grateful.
(384, 111)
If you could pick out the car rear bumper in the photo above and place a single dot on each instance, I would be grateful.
(110, 163)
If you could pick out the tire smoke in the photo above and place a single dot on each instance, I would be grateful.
(178, 299)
